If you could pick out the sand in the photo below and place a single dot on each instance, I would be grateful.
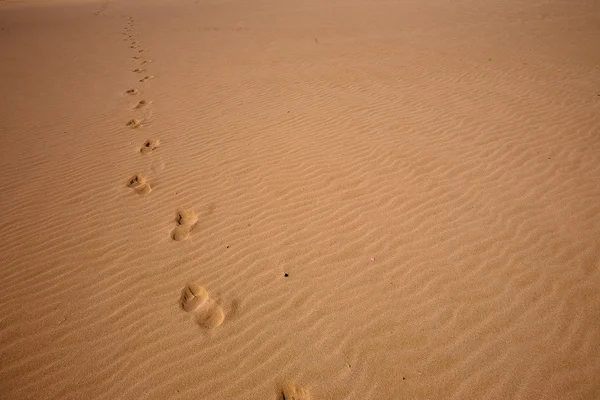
(227, 199)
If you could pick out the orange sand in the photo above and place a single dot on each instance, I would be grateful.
(426, 173)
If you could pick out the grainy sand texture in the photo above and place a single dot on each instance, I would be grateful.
(311, 199)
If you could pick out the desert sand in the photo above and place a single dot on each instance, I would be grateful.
(326, 200)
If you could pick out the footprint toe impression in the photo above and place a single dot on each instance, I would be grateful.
(187, 217)
(139, 184)
(136, 181)
(194, 296)
(149, 145)
(293, 392)
(195, 299)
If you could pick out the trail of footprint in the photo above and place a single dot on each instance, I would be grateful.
(293, 392)
(149, 146)
(195, 299)
(139, 184)
(186, 220)
(102, 8)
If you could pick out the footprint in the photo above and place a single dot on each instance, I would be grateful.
(139, 184)
(187, 217)
(131, 91)
(139, 70)
(134, 123)
(195, 298)
(146, 61)
(186, 220)
(136, 57)
(146, 78)
(149, 145)
(293, 392)
(142, 103)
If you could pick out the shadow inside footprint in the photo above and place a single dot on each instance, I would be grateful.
(131, 91)
(187, 217)
(139, 184)
(149, 146)
(142, 103)
(134, 123)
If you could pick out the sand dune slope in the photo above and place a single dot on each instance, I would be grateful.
(319, 200)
